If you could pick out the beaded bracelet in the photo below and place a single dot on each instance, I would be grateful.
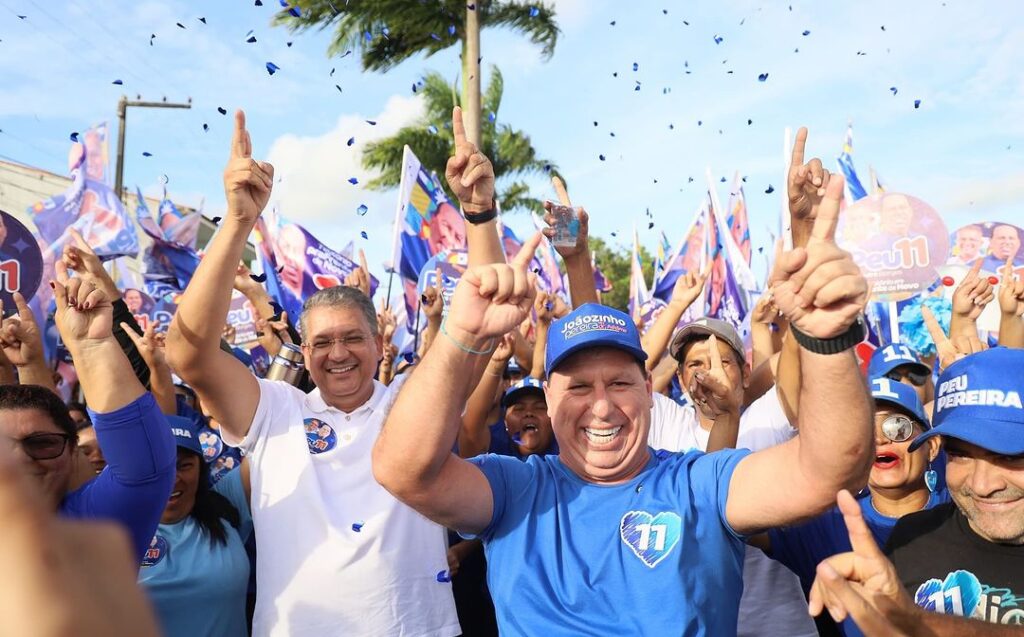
(468, 350)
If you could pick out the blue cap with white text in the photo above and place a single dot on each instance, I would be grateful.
(591, 325)
(884, 390)
(523, 386)
(885, 359)
(186, 434)
(978, 400)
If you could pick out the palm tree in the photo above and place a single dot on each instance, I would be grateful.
(387, 32)
(431, 138)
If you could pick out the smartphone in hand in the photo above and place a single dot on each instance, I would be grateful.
(566, 226)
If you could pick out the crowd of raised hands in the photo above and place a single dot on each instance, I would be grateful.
(488, 353)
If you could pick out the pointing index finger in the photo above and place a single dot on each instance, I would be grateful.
(458, 128)
(563, 194)
(716, 356)
(525, 254)
(975, 269)
(798, 147)
(828, 212)
(934, 328)
(238, 138)
(861, 539)
(362, 261)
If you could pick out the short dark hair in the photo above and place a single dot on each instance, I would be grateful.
(15, 397)
(340, 297)
(74, 405)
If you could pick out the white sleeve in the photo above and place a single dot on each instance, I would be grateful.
(766, 413)
(672, 426)
(275, 398)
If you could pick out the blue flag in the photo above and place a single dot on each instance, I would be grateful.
(845, 160)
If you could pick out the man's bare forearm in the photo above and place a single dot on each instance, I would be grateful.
(581, 279)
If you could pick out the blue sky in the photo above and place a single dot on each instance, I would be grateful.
(961, 150)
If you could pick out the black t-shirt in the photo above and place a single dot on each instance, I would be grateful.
(948, 568)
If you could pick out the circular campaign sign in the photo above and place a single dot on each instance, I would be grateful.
(21, 261)
(992, 241)
(897, 240)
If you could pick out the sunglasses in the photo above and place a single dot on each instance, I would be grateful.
(915, 377)
(44, 446)
(898, 428)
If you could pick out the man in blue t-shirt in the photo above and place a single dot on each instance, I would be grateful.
(608, 537)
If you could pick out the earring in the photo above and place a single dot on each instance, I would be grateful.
(931, 478)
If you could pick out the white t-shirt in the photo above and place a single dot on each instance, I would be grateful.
(336, 553)
(773, 603)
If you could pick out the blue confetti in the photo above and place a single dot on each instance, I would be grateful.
(806, 32)
(491, 117)
(272, 68)
(216, 220)
(451, 29)
(762, 77)
(534, 12)
(351, 140)
(259, 3)
(206, 127)
(252, 40)
(353, 181)
(636, 67)
(769, 190)
(259, 278)
(147, 154)
(294, 11)
(443, 577)
(893, 89)
(718, 39)
(368, 36)
(338, 86)
(222, 110)
(363, 234)
(180, 25)
(361, 210)
(917, 103)
(385, 31)
(601, 157)
(371, 122)
(435, 37)
(357, 526)
(118, 82)
(637, 87)
(699, 122)
(432, 129)
(203, 20)
(74, 137)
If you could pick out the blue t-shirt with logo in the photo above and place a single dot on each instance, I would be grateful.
(198, 586)
(801, 548)
(653, 556)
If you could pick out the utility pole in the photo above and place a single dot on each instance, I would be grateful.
(122, 111)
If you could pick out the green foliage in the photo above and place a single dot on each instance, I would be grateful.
(401, 29)
(509, 150)
(614, 262)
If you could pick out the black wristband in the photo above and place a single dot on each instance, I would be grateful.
(851, 337)
(476, 218)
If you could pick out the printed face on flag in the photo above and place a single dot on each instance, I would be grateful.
(291, 257)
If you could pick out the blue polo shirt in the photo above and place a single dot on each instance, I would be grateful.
(654, 555)
(134, 486)
(801, 548)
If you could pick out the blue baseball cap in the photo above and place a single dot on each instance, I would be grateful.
(513, 367)
(186, 434)
(902, 396)
(979, 401)
(526, 385)
(888, 358)
(591, 325)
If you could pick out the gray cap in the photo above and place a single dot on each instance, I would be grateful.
(706, 326)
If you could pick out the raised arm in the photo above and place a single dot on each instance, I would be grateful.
(471, 177)
(151, 347)
(22, 344)
(1011, 308)
(578, 268)
(412, 457)
(224, 384)
(969, 300)
(475, 435)
(136, 441)
(822, 292)
(686, 290)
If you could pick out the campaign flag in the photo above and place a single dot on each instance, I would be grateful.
(426, 222)
(638, 293)
(89, 205)
(178, 227)
(664, 249)
(736, 219)
(877, 187)
(688, 256)
(601, 282)
(297, 264)
(731, 281)
(164, 260)
(854, 189)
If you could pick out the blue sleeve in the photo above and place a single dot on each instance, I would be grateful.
(711, 474)
(802, 547)
(501, 472)
(134, 487)
(230, 486)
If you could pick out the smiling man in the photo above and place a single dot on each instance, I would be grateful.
(610, 537)
(967, 557)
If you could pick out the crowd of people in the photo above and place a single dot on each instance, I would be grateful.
(540, 467)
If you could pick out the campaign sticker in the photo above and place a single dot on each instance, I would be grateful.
(319, 435)
(21, 261)
(897, 240)
(211, 444)
(156, 552)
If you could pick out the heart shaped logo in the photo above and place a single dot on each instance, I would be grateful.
(958, 594)
(651, 537)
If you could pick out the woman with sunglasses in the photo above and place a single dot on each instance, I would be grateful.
(133, 434)
(900, 482)
(196, 570)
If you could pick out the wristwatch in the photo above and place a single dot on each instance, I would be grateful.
(852, 336)
(476, 218)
